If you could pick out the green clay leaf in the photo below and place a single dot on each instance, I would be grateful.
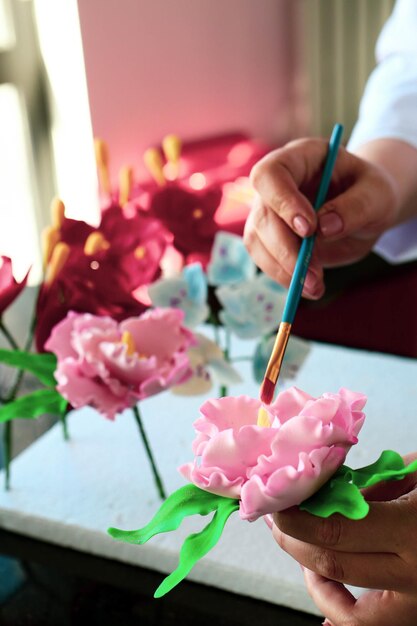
(389, 466)
(42, 366)
(341, 494)
(34, 404)
(198, 544)
(337, 496)
(188, 500)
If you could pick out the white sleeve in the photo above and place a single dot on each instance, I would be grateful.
(389, 109)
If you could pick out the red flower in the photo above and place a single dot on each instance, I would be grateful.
(133, 245)
(100, 268)
(81, 288)
(9, 287)
(189, 216)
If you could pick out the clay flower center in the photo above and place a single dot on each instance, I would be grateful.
(140, 252)
(127, 339)
(263, 418)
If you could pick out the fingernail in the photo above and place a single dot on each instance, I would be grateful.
(330, 224)
(301, 226)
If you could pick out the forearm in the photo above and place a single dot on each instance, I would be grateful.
(399, 160)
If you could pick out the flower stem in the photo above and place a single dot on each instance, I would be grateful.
(8, 427)
(7, 443)
(8, 335)
(228, 348)
(223, 391)
(226, 352)
(64, 423)
(157, 478)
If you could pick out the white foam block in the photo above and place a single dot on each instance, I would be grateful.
(70, 493)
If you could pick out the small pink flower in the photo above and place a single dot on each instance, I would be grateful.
(111, 366)
(299, 443)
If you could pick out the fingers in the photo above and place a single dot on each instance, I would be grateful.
(363, 200)
(392, 490)
(274, 248)
(375, 571)
(360, 210)
(333, 599)
(374, 533)
(278, 176)
(376, 608)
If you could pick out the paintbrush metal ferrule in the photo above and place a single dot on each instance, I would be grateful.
(278, 351)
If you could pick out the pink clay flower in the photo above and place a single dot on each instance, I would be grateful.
(273, 457)
(111, 365)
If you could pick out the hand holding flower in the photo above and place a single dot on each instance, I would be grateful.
(377, 552)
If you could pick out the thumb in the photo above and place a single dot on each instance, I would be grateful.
(363, 211)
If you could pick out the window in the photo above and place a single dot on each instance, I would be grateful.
(46, 145)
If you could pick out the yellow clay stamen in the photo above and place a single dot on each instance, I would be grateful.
(57, 212)
(59, 257)
(197, 214)
(95, 242)
(154, 163)
(125, 184)
(50, 237)
(140, 252)
(171, 145)
(127, 339)
(102, 160)
(263, 418)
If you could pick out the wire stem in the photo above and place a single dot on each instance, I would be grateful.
(8, 428)
(64, 423)
(157, 478)
(8, 335)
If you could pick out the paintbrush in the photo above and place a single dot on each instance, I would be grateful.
(298, 278)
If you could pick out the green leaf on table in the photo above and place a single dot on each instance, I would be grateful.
(42, 366)
(188, 500)
(337, 496)
(197, 545)
(34, 404)
(389, 466)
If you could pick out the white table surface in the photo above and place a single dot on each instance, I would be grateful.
(70, 493)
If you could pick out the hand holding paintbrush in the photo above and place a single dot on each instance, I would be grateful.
(298, 278)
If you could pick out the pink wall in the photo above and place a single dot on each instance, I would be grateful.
(193, 67)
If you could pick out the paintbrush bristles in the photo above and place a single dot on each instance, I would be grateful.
(274, 365)
(267, 391)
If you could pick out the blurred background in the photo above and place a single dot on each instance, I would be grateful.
(131, 71)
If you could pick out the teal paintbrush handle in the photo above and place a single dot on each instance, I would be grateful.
(306, 248)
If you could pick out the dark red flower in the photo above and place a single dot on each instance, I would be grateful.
(133, 245)
(9, 287)
(189, 216)
(83, 287)
(189, 206)
(104, 266)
